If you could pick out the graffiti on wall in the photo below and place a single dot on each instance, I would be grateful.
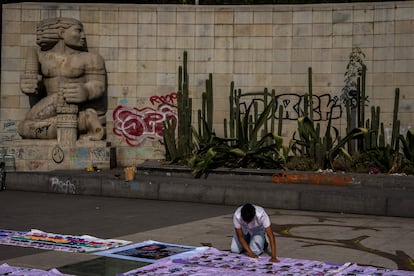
(312, 178)
(62, 186)
(323, 105)
(135, 124)
(100, 154)
(9, 129)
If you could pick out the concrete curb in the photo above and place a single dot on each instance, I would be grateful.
(384, 195)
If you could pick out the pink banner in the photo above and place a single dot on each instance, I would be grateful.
(216, 262)
(6, 269)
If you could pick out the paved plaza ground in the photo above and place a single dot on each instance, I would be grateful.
(331, 237)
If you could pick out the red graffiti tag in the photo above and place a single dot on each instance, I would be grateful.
(165, 99)
(138, 124)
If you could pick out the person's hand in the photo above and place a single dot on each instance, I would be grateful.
(252, 255)
(74, 92)
(29, 83)
(274, 260)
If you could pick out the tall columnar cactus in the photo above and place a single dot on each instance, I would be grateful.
(205, 117)
(237, 96)
(273, 112)
(306, 105)
(408, 144)
(310, 143)
(265, 96)
(363, 94)
(178, 150)
(210, 102)
(375, 124)
(232, 111)
(350, 144)
(242, 126)
(280, 120)
(395, 122)
(310, 93)
(184, 111)
(171, 153)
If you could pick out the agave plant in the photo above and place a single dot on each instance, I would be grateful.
(356, 133)
(311, 144)
(408, 144)
(210, 154)
(256, 151)
(245, 151)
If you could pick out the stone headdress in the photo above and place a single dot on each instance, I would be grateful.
(48, 31)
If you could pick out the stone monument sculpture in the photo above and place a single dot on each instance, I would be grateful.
(66, 85)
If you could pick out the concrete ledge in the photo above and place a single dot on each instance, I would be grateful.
(400, 206)
(368, 202)
(384, 195)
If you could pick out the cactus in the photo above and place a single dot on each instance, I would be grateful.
(381, 141)
(279, 125)
(348, 125)
(273, 112)
(265, 96)
(177, 151)
(310, 93)
(362, 98)
(169, 141)
(210, 102)
(251, 146)
(232, 111)
(306, 105)
(395, 121)
(376, 126)
(408, 144)
(248, 142)
(310, 143)
(205, 117)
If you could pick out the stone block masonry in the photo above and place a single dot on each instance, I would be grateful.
(256, 46)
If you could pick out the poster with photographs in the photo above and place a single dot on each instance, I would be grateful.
(216, 262)
(148, 251)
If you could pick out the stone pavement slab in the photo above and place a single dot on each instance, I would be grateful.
(330, 237)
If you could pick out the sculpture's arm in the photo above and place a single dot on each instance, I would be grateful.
(29, 83)
(95, 74)
(30, 79)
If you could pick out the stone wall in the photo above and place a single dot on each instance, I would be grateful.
(268, 46)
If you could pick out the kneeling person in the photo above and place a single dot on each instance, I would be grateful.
(252, 224)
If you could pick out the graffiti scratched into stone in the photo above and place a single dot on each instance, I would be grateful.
(62, 186)
(100, 154)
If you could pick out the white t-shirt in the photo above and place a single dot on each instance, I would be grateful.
(260, 221)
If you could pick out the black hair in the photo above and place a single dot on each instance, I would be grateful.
(248, 212)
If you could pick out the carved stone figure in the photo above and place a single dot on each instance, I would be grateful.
(65, 83)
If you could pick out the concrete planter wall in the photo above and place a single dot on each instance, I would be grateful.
(382, 195)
